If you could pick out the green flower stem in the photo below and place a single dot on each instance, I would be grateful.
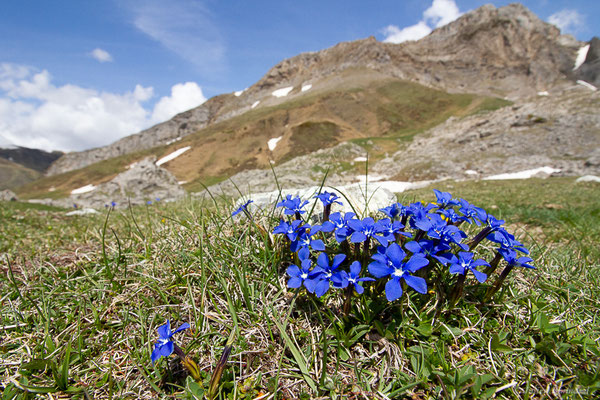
(493, 264)
(457, 290)
(496, 286)
(348, 300)
(215, 379)
(479, 237)
(326, 212)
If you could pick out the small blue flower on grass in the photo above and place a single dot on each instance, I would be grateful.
(392, 264)
(472, 213)
(164, 346)
(298, 276)
(465, 262)
(324, 274)
(363, 229)
(304, 240)
(515, 261)
(355, 279)
(292, 205)
(291, 230)
(444, 199)
(340, 224)
(328, 198)
(242, 208)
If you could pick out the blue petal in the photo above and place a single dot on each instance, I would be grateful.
(413, 247)
(322, 287)
(166, 349)
(164, 331)
(337, 260)
(355, 268)
(395, 254)
(355, 224)
(393, 290)
(359, 289)
(155, 354)
(183, 326)
(323, 261)
(417, 283)
(293, 270)
(457, 269)
(358, 237)
(317, 245)
(416, 262)
(311, 284)
(481, 277)
(294, 282)
(379, 270)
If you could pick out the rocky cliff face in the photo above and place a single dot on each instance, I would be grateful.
(504, 52)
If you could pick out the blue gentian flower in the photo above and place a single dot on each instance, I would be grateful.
(393, 211)
(472, 213)
(243, 207)
(354, 278)
(164, 346)
(298, 276)
(444, 199)
(389, 229)
(364, 229)
(340, 224)
(451, 215)
(292, 205)
(465, 262)
(323, 274)
(418, 212)
(428, 248)
(515, 261)
(113, 204)
(291, 230)
(508, 243)
(304, 240)
(392, 264)
(328, 198)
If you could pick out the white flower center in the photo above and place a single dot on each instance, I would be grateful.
(398, 272)
(304, 275)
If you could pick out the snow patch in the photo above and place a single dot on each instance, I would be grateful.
(52, 189)
(272, 143)
(282, 92)
(257, 102)
(545, 171)
(471, 172)
(181, 182)
(360, 159)
(588, 178)
(544, 93)
(587, 85)
(581, 55)
(83, 211)
(177, 139)
(399, 186)
(83, 189)
(239, 92)
(306, 87)
(172, 156)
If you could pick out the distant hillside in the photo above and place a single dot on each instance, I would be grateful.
(13, 175)
(35, 159)
(501, 52)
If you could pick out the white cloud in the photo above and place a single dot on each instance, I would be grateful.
(441, 12)
(101, 55)
(184, 27)
(36, 113)
(568, 21)
(184, 96)
(414, 32)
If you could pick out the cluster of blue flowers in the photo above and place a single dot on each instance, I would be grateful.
(401, 248)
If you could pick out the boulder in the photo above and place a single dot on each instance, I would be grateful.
(8, 195)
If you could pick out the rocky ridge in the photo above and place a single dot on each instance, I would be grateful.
(504, 51)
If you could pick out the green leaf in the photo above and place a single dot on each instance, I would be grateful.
(497, 345)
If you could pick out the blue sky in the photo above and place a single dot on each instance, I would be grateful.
(78, 74)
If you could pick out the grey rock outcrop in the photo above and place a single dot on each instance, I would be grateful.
(8, 195)
(142, 182)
